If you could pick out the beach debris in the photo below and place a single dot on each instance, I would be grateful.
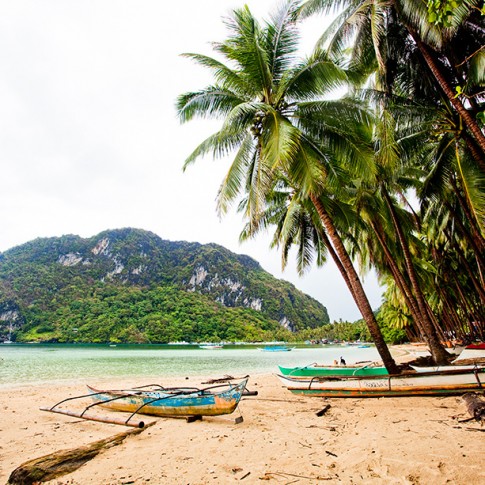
(270, 475)
(61, 462)
(323, 411)
(475, 406)
(245, 476)
(191, 419)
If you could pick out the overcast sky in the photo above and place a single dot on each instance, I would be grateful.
(89, 138)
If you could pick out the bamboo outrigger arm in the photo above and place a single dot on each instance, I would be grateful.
(102, 419)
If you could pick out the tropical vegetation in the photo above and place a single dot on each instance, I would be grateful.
(389, 176)
(131, 286)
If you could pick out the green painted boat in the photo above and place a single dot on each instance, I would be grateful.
(316, 370)
(406, 384)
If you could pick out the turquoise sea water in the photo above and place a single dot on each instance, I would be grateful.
(22, 364)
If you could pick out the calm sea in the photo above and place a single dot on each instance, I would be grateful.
(22, 364)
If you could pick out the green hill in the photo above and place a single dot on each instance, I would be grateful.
(129, 285)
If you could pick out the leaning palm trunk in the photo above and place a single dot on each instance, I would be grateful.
(473, 237)
(480, 291)
(400, 280)
(456, 103)
(355, 287)
(440, 356)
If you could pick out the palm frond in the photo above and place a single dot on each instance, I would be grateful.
(313, 78)
(476, 70)
(280, 141)
(414, 13)
(312, 7)
(246, 47)
(234, 180)
(223, 75)
(212, 102)
(220, 144)
(282, 38)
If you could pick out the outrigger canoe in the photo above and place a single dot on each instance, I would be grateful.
(316, 370)
(409, 384)
(211, 401)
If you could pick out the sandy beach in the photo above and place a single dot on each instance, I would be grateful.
(411, 440)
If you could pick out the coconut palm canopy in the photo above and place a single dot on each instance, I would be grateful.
(294, 148)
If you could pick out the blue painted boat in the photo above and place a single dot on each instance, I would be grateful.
(181, 401)
(276, 348)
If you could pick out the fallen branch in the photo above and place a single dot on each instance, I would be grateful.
(323, 411)
(60, 463)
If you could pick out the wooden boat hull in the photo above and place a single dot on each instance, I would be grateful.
(313, 370)
(172, 403)
(416, 384)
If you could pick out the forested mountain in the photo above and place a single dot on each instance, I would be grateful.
(129, 285)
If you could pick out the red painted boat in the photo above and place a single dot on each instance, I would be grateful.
(480, 346)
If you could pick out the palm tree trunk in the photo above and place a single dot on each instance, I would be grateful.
(355, 287)
(337, 261)
(400, 281)
(470, 272)
(456, 103)
(439, 354)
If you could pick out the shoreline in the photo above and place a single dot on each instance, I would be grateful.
(405, 440)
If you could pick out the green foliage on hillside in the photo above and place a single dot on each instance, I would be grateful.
(131, 286)
(157, 315)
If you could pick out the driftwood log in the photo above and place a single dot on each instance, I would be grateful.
(62, 462)
(475, 406)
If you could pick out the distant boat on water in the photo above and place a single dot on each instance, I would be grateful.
(211, 346)
(276, 348)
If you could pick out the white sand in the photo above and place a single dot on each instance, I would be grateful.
(412, 440)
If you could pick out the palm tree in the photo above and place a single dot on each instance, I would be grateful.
(377, 30)
(284, 133)
(390, 40)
